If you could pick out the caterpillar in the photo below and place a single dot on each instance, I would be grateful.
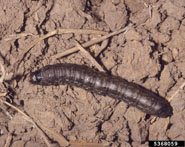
(103, 84)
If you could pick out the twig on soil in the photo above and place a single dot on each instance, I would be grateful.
(166, 124)
(58, 31)
(8, 140)
(176, 92)
(87, 54)
(80, 31)
(85, 144)
(91, 42)
(30, 120)
(153, 120)
(17, 36)
(3, 94)
(149, 9)
(3, 73)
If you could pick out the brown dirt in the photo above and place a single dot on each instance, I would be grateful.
(151, 54)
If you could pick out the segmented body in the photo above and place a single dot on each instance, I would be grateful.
(102, 84)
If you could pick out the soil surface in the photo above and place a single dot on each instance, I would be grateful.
(151, 54)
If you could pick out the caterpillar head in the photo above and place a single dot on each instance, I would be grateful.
(35, 78)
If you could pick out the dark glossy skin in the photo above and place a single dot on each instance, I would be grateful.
(102, 84)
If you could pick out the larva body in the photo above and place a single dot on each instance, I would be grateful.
(102, 84)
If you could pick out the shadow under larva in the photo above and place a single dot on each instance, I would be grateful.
(102, 84)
